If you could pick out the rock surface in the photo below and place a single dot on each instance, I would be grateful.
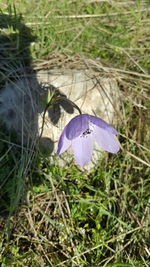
(23, 103)
(90, 92)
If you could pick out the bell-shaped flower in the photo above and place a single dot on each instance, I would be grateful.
(81, 132)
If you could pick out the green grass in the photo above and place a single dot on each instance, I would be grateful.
(65, 216)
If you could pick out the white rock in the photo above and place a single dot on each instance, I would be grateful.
(92, 93)
(20, 110)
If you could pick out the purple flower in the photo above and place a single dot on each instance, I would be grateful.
(80, 133)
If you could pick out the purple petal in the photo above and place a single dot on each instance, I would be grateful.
(106, 140)
(83, 148)
(76, 126)
(63, 143)
(102, 124)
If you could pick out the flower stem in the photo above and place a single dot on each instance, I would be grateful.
(50, 103)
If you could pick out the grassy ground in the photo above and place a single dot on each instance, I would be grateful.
(53, 216)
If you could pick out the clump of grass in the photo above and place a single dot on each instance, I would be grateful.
(64, 216)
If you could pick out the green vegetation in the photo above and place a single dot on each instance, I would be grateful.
(65, 216)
